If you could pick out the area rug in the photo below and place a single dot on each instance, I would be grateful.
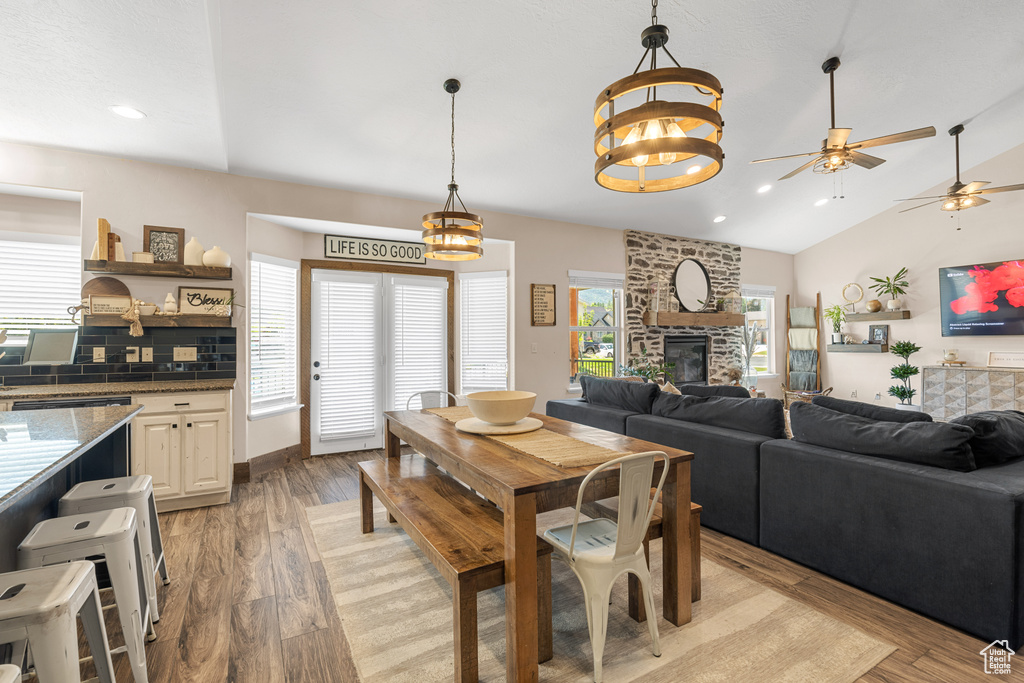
(397, 615)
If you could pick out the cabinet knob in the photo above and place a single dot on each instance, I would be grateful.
(316, 364)
(189, 424)
(316, 377)
(174, 426)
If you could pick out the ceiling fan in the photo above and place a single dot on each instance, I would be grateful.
(836, 154)
(959, 196)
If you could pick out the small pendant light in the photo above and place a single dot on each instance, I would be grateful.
(453, 235)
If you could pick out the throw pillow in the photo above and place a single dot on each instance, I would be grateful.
(669, 388)
(870, 411)
(762, 416)
(939, 444)
(713, 390)
(632, 396)
(998, 435)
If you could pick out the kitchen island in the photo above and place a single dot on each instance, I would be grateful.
(43, 453)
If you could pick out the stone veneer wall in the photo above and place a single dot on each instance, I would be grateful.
(650, 254)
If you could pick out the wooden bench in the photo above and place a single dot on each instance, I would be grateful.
(609, 509)
(462, 534)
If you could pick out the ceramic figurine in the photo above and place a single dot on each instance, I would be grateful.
(217, 257)
(194, 253)
(170, 305)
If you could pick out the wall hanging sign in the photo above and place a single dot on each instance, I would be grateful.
(166, 244)
(542, 305)
(1006, 359)
(105, 305)
(205, 300)
(363, 249)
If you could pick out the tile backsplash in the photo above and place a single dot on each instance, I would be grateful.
(215, 357)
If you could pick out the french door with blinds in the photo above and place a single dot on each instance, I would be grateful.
(377, 339)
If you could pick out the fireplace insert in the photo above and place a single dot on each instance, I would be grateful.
(689, 352)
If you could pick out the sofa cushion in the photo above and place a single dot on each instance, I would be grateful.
(870, 411)
(998, 435)
(939, 444)
(590, 414)
(713, 390)
(635, 397)
(762, 416)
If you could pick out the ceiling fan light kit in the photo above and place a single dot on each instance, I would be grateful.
(452, 235)
(837, 154)
(657, 145)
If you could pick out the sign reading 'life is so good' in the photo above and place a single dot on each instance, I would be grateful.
(362, 249)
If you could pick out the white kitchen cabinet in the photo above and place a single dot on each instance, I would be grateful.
(184, 442)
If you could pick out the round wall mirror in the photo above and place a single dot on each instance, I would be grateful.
(693, 286)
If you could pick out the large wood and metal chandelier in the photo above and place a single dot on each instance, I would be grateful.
(658, 145)
(453, 235)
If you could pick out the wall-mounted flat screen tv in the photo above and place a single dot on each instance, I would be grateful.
(982, 299)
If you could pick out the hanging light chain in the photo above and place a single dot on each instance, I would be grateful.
(654, 12)
(453, 137)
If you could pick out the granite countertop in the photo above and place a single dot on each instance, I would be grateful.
(35, 444)
(113, 388)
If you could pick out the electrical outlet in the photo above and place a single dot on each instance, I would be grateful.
(183, 353)
(533, 348)
(99, 354)
(131, 354)
(147, 354)
(853, 394)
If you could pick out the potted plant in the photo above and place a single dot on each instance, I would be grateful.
(903, 372)
(646, 368)
(836, 315)
(894, 287)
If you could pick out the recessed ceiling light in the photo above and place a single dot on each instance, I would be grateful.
(693, 169)
(821, 202)
(127, 112)
(763, 189)
(719, 219)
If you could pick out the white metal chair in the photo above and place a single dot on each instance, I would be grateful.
(600, 550)
(431, 399)
(9, 674)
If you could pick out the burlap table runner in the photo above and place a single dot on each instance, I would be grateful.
(557, 449)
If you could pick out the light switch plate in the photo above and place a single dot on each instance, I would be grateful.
(131, 354)
(183, 353)
(99, 354)
(147, 354)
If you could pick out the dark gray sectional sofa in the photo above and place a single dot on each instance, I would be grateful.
(946, 541)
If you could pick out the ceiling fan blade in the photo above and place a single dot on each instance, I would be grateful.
(791, 156)
(973, 187)
(1004, 188)
(865, 160)
(921, 205)
(805, 166)
(837, 137)
(895, 137)
(917, 199)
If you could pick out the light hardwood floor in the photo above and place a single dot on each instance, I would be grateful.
(249, 599)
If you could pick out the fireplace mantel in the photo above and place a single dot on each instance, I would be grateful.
(687, 319)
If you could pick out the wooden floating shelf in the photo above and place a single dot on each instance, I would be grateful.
(114, 320)
(158, 270)
(858, 348)
(881, 315)
(681, 318)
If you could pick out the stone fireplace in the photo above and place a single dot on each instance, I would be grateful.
(689, 353)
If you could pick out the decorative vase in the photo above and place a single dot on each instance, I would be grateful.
(119, 254)
(873, 306)
(170, 305)
(217, 257)
(95, 255)
(894, 304)
(194, 253)
(950, 355)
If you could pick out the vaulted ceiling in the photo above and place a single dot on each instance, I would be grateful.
(348, 94)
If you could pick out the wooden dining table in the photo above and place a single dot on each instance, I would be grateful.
(524, 485)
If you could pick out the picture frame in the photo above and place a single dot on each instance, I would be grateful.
(205, 300)
(878, 334)
(1006, 359)
(542, 305)
(107, 304)
(167, 245)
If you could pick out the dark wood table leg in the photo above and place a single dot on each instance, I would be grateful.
(365, 504)
(464, 621)
(677, 572)
(392, 449)
(521, 633)
(635, 591)
(545, 637)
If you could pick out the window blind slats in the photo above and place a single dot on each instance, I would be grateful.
(420, 343)
(38, 282)
(273, 336)
(484, 333)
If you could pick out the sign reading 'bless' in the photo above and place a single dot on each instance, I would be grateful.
(362, 249)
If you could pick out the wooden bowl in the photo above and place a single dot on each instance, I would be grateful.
(501, 407)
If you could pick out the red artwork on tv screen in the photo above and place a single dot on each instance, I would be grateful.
(982, 299)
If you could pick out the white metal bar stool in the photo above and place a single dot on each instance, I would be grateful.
(40, 606)
(111, 536)
(126, 492)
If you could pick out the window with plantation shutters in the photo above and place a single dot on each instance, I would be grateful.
(38, 282)
(419, 337)
(483, 328)
(273, 335)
